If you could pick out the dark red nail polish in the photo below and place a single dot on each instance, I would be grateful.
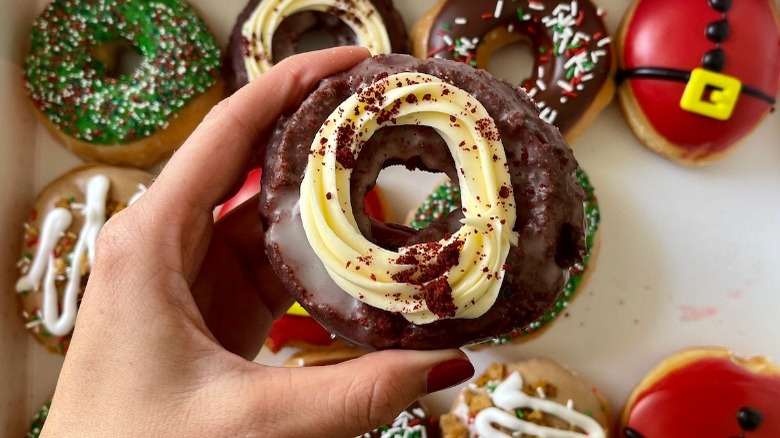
(448, 374)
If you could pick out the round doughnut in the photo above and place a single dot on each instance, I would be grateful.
(59, 245)
(387, 285)
(136, 119)
(673, 53)
(705, 392)
(571, 80)
(533, 397)
(268, 31)
(445, 199)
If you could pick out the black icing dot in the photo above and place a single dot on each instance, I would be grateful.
(718, 31)
(631, 433)
(749, 418)
(720, 5)
(714, 60)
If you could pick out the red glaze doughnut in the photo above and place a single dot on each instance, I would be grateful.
(571, 80)
(706, 392)
(739, 39)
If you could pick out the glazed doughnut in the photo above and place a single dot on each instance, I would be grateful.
(135, 119)
(268, 31)
(697, 77)
(705, 392)
(445, 199)
(571, 80)
(534, 397)
(389, 286)
(59, 245)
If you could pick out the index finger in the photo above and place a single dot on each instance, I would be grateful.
(212, 160)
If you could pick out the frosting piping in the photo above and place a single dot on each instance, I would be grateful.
(55, 224)
(509, 396)
(376, 276)
(259, 29)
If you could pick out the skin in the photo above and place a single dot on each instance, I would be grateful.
(176, 305)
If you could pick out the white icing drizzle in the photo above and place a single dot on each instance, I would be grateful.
(401, 428)
(54, 225)
(488, 203)
(258, 30)
(509, 396)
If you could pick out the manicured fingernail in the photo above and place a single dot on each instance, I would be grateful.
(449, 373)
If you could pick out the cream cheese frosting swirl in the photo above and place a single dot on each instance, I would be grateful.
(466, 267)
(258, 31)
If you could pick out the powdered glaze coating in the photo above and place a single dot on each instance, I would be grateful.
(572, 51)
(74, 91)
(551, 233)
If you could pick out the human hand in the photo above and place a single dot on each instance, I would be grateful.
(175, 305)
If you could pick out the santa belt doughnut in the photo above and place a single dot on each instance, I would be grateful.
(700, 80)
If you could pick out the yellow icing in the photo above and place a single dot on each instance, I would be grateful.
(366, 270)
(258, 30)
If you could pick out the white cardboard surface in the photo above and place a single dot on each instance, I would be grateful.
(689, 257)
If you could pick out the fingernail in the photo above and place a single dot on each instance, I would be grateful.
(447, 374)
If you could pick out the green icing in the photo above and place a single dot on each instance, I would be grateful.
(446, 198)
(180, 61)
(38, 420)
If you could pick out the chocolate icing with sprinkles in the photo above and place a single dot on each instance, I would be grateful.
(76, 93)
(570, 44)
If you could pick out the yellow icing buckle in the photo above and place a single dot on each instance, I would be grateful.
(297, 310)
(723, 94)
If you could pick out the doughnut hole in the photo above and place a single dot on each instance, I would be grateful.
(508, 56)
(117, 58)
(309, 31)
(398, 153)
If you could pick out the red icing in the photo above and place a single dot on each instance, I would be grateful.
(251, 187)
(670, 34)
(293, 328)
(702, 400)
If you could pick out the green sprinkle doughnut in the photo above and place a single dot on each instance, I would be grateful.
(446, 198)
(73, 90)
(38, 420)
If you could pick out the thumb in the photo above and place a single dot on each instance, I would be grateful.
(351, 398)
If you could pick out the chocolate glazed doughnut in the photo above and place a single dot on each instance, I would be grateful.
(452, 283)
(267, 32)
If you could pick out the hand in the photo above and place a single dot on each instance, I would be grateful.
(176, 305)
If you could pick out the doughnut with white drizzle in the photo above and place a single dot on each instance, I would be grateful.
(60, 242)
(534, 397)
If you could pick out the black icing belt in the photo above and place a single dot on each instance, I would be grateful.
(682, 76)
